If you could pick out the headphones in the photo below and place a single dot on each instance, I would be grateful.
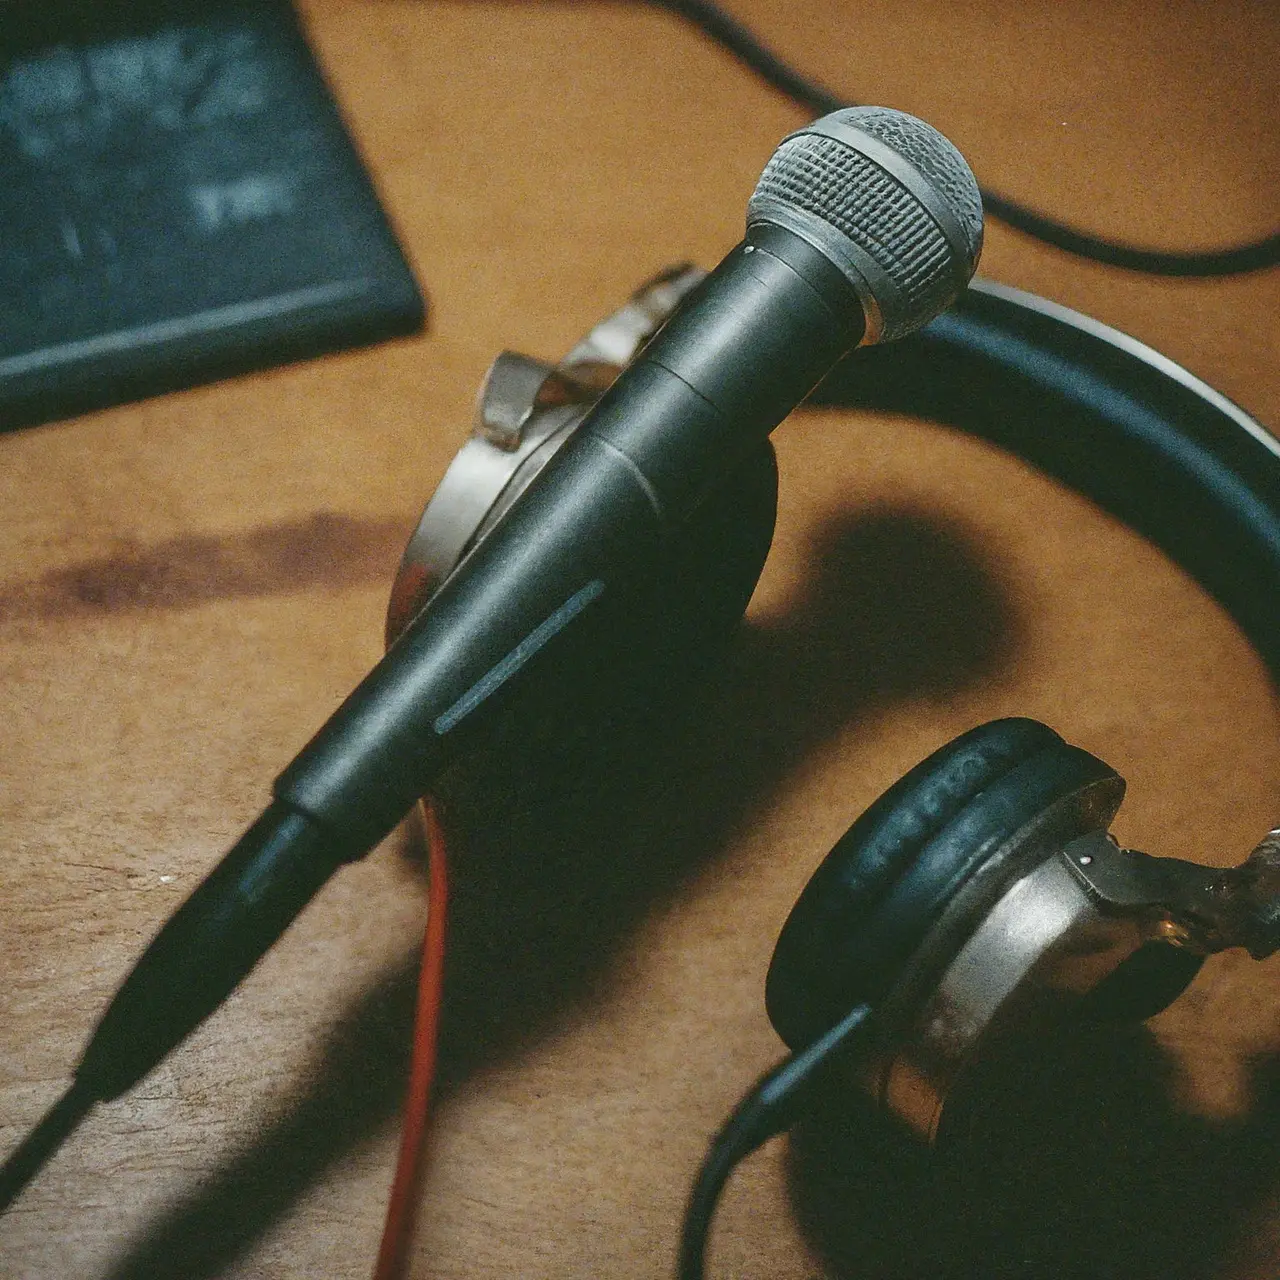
(982, 894)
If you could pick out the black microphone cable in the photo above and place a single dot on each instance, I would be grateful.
(771, 1107)
(739, 40)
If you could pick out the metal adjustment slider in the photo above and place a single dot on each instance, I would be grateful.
(1204, 909)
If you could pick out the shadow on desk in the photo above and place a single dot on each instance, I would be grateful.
(1073, 1165)
(562, 847)
(565, 838)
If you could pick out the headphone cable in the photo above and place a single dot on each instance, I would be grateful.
(771, 1107)
(739, 40)
(397, 1230)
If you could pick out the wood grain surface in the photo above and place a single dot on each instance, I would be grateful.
(188, 586)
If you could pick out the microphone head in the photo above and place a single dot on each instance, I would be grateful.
(889, 201)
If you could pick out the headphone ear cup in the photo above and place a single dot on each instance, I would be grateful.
(884, 885)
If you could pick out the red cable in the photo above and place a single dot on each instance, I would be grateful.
(397, 1230)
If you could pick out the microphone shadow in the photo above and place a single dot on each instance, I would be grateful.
(1069, 1161)
(567, 830)
(561, 841)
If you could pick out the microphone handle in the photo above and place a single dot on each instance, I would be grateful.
(207, 946)
(745, 348)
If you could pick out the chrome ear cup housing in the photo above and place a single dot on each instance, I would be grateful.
(946, 907)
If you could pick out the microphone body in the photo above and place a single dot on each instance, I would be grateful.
(747, 346)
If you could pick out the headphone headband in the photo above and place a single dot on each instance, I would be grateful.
(1107, 415)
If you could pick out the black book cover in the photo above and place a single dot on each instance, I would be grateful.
(179, 201)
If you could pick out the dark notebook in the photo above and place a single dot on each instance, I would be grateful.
(178, 201)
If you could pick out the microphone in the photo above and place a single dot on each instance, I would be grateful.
(864, 225)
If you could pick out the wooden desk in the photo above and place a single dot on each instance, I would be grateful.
(190, 585)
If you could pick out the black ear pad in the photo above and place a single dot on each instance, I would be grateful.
(886, 882)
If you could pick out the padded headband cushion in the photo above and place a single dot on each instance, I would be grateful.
(884, 884)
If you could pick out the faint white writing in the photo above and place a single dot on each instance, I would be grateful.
(248, 199)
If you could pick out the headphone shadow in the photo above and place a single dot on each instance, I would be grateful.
(563, 841)
(1068, 1161)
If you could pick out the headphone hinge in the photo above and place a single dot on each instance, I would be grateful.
(1202, 909)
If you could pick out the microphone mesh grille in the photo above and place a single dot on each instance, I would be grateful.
(830, 180)
(930, 153)
(845, 189)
